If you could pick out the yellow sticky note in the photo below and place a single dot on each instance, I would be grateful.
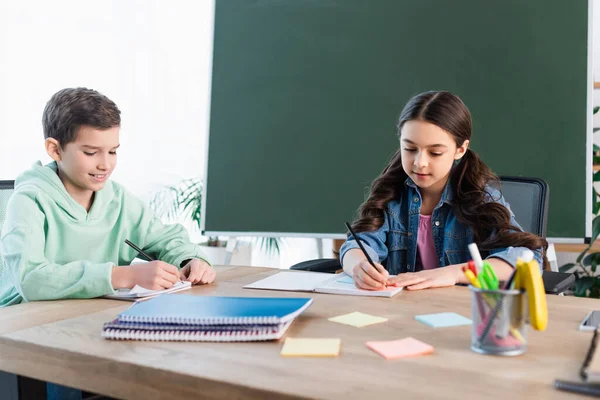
(407, 347)
(358, 319)
(313, 347)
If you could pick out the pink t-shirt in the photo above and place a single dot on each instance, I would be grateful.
(425, 245)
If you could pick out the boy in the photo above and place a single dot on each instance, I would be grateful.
(66, 225)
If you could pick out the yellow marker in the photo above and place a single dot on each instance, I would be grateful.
(517, 335)
(530, 279)
(471, 277)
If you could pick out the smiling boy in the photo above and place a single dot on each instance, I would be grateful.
(66, 224)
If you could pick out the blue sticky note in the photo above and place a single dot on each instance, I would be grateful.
(442, 320)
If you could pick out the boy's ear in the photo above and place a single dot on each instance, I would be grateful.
(53, 149)
(460, 151)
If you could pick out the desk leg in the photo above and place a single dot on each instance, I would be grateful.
(9, 385)
(16, 387)
(30, 389)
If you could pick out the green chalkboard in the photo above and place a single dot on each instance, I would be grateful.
(304, 89)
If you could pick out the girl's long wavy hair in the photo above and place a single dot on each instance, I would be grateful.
(472, 204)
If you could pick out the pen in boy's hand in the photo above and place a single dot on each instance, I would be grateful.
(143, 253)
(140, 251)
(362, 248)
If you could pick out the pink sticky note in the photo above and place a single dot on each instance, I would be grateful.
(407, 347)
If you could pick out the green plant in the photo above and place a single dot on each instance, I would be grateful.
(270, 245)
(184, 202)
(596, 161)
(180, 202)
(587, 283)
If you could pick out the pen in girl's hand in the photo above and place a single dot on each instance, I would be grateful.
(362, 248)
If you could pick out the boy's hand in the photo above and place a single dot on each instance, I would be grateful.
(198, 272)
(429, 278)
(154, 275)
(369, 278)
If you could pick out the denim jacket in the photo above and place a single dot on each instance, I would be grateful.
(394, 245)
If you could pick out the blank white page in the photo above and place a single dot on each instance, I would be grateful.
(295, 281)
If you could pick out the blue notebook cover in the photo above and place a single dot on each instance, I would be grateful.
(208, 310)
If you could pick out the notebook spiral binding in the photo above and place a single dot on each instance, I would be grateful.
(190, 336)
(200, 321)
(173, 327)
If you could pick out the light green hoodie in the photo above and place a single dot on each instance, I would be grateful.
(53, 249)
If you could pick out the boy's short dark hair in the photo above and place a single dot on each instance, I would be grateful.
(71, 108)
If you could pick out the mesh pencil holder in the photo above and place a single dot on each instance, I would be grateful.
(499, 321)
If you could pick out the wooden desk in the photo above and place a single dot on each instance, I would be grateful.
(71, 352)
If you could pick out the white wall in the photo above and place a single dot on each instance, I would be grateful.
(153, 58)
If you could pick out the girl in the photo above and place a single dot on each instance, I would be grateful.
(434, 198)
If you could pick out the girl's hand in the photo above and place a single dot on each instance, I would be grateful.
(430, 278)
(369, 278)
(198, 272)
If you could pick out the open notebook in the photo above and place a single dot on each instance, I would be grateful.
(206, 318)
(320, 283)
(138, 292)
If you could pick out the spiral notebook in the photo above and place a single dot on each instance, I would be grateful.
(182, 333)
(206, 318)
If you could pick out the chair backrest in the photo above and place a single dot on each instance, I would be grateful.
(6, 189)
(528, 200)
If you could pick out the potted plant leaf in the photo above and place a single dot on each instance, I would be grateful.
(587, 282)
(183, 203)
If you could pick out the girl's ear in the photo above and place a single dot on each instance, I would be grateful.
(53, 149)
(461, 150)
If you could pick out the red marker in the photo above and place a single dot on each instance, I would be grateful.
(471, 265)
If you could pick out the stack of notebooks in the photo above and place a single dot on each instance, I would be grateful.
(171, 317)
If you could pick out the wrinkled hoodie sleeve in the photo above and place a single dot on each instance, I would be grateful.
(169, 243)
(35, 277)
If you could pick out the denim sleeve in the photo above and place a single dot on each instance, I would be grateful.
(510, 254)
(373, 242)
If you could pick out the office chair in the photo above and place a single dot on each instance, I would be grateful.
(6, 189)
(528, 200)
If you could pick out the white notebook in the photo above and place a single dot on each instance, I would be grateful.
(320, 283)
(138, 292)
